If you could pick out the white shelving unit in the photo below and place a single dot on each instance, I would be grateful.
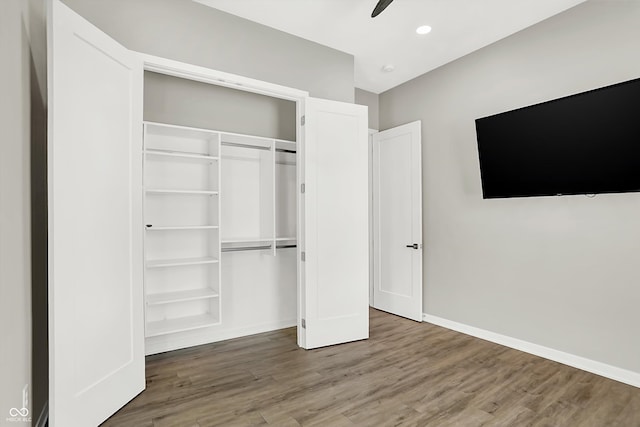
(205, 193)
(248, 213)
(182, 228)
(259, 184)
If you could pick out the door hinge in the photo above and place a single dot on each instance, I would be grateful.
(303, 120)
(303, 256)
(302, 188)
(304, 324)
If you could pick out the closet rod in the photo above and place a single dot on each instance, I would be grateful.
(286, 246)
(256, 248)
(283, 150)
(238, 144)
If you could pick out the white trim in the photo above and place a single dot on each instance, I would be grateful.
(300, 225)
(595, 367)
(206, 75)
(371, 257)
(44, 415)
(161, 344)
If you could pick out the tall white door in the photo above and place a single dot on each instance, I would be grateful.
(333, 224)
(397, 221)
(96, 340)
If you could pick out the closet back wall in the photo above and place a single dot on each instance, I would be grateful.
(189, 103)
(186, 31)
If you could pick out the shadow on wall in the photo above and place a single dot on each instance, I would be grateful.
(39, 226)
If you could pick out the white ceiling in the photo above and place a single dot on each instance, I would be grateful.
(459, 27)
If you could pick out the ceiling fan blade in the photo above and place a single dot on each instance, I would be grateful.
(382, 5)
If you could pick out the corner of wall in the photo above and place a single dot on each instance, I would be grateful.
(371, 100)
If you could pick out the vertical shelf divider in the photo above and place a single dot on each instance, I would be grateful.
(218, 244)
(273, 212)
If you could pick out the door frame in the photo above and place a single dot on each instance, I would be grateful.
(371, 196)
(416, 128)
(197, 73)
(206, 75)
(188, 71)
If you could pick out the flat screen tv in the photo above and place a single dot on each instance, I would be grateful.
(587, 143)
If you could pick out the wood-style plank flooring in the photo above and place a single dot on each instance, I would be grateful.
(406, 374)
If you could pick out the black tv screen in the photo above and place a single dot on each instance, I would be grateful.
(582, 144)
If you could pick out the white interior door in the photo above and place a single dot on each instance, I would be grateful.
(333, 224)
(96, 340)
(397, 221)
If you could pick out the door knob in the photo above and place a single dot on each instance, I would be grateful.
(414, 246)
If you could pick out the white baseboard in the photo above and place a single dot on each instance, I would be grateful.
(598, 368)
(44, 415)
(177, 341)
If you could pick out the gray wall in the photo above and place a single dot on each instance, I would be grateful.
(371, 100)
(23, 124)
(190, 32)
(562, 272)
(189, 103)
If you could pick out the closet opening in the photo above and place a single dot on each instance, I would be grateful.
(220, 212)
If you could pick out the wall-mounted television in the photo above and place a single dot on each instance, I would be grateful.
(587, 143)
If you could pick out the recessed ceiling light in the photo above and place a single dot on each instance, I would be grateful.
(388, 68)
(423, 29)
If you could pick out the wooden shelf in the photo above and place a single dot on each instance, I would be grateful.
(182, 227)
(196, 192)
(180, 154)
(181, 324)
(157, 263)
(284, 239)
(179, 296)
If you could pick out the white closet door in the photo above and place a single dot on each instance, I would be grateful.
(334, 230)
(96, 339)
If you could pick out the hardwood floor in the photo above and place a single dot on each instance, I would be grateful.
(406, 374)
